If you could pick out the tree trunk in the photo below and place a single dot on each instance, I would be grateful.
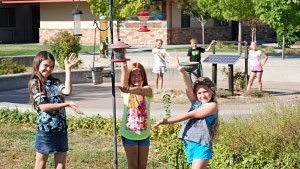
(202, 26)
(240, 38)
(283, 46)
(118, 30)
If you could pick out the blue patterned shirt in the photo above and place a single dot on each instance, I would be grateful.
(51, 121)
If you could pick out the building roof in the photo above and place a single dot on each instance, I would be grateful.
(35, 1)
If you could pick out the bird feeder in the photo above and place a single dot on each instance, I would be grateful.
(143, 17)
(76, 17)
(119, 49)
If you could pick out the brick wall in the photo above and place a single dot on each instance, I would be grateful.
(158, 30)
(183, 35)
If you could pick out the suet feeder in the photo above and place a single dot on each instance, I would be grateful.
(119, 50)
(76, 17)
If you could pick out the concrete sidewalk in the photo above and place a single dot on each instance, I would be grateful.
(97, 99)
(281, 77)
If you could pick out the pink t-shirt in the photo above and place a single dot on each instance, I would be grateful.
(254, 60)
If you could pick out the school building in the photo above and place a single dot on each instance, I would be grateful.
(35, 21)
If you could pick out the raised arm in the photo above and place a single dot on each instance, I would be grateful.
(187, 82)
(213, 42)
(145, 91)
(49, 107)
(264, 59)
(202, 112)
(69, 62)
(161, 56)
(124, 74)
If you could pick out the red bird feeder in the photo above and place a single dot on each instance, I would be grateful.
(119, 49)
(143, 16)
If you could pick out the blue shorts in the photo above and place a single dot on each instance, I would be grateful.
(51, 142)
(128, 142)
(195, 150)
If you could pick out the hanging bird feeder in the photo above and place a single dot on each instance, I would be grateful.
(76, 17)
(143, 17)
(119, 50)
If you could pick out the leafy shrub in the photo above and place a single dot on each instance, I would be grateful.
(166, 104)
(269, 49)
(291, 36)
(292, 51)
(223, 93)
(269, 139)
(62, 45)
(238, 79)
(255, 93)
(15, 117)
(8, 66)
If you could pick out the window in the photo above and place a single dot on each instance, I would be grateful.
(185, 21)
(223, 23)
(7, 17)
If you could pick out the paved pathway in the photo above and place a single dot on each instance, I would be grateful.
(97, 99)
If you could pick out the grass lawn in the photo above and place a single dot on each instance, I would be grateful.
(85, 150)
(31, 49)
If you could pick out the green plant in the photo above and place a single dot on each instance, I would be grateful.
(267, 139)
(223, 93)
(166, 104)
(290, 36)
(255, 93)
(269, 49)
(62, 45)
(8, 66)
(238, 79)
(292, 51)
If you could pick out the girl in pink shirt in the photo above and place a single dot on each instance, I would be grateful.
(257, 60)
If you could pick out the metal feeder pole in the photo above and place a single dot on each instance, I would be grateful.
(110, 7)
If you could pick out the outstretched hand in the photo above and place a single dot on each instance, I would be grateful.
(124, 89)
(71, 61)
(74, 107)
(178, 66)
(160, 122)
(213, 42)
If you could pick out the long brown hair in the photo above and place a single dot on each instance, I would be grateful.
(143, 72)
(206, 82)
(36, 74)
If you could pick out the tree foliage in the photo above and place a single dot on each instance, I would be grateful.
(279, 14)
(233, 10)
(282, 15)
(122, 9)
(194, 8)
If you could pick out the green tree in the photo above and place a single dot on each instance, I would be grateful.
(197, 9)
(122, 9)
(233, 10)
(282, 15)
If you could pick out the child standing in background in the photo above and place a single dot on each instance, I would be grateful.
(200, 123)
(195, 55)
(160, 63)
(47, 95)
(257, 60)
(135, 125)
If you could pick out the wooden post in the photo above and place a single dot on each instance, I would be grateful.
(214, 73)
(230, 79)
(246, 65)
